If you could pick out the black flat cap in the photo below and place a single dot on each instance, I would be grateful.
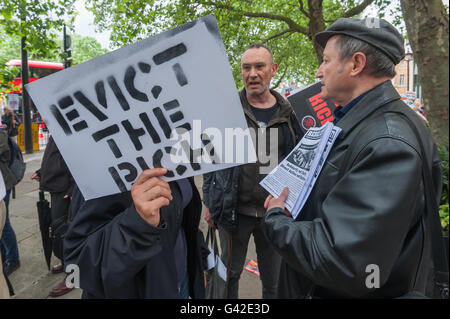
(377, 32)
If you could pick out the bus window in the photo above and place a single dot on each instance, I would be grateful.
(37, 70)
(41, 72)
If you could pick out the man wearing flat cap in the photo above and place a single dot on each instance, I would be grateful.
(362, 232)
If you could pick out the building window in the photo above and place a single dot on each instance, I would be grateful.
(402, 79)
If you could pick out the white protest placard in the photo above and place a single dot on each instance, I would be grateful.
(167, 101)
(13, 101)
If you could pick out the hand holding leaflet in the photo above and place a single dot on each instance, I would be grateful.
(300, 169)
(272, 202)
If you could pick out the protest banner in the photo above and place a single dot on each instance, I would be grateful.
(13, 101)
(165, 101)
(289, 90)
(311, 110)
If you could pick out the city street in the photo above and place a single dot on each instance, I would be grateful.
(33, 280)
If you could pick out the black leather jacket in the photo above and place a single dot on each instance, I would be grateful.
(372, 215)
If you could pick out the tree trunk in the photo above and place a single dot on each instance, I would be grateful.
(316, 24)
(427, 25)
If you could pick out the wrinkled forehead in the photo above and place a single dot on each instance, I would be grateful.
(256, 55)
(331, 48)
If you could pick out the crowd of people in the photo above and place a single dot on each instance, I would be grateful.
(146, 243)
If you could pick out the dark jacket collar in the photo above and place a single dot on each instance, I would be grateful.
(283, 112)
(371, 102)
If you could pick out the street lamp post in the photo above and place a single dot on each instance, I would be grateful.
(26, 102)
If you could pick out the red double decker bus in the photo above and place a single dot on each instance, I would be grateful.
(36, 69)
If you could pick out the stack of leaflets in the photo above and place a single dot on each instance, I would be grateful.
(300, 169)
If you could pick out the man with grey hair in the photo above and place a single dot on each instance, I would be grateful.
(233, 197)
(363, 231)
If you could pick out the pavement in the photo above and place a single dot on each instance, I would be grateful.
(33, 280)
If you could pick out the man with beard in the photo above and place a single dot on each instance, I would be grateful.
(233, 198)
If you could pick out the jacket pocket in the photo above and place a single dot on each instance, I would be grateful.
(223, 179)
(216, 197)
(223, 194)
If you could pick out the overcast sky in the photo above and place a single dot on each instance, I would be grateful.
(84, 25)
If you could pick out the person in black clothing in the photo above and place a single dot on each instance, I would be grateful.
(8, 240)
(6, 289)
(12, 122)
(363, 231)
(55, 177)
(139, 244)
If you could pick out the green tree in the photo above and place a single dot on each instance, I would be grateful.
(9, 49)
(287, 26)
(9, 46)
(37, 20)
(7, 75)
(85, 48)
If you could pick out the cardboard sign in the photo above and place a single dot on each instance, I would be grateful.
(289, 90)
(13, 99)
(166, 101)
(311, 110)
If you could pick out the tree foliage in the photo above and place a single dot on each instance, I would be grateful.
(7, 75)
(37, 20)
(34, 20)
(9, 46)
(9, 49)
(85, 48)
(286, 26)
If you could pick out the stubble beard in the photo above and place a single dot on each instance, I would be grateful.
(259, 92)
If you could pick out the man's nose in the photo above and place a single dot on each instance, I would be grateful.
(253, 73)
(319, 73)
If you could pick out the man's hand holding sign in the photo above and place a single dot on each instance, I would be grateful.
(151, 104)
(150, 193)
(134, 126)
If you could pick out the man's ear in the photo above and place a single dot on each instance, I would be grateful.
(359, 63)
(274, 69)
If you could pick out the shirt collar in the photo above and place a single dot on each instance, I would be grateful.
(340, 111)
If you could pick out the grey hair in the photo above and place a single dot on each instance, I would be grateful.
(377, 63)
(260, 45)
